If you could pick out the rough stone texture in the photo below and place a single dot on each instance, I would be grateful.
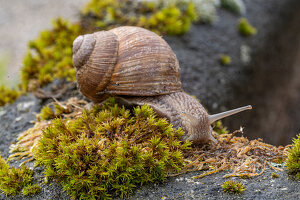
(269, 82)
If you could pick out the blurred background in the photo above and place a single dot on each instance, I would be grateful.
(22, 21)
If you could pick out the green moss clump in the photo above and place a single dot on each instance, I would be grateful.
(12, 180)
(245, 28)
(31, 189)
(8, 95)
(50, 56)
(47, 113)
(275, 175)
(110, 151)
(225, 59)
(293, 160)
(172, 19)
(220, 128)
(233, 187)
(235, 6)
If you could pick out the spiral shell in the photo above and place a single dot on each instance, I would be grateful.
(129, 61)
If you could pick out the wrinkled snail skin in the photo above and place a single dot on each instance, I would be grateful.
(138, 67)
(182, 110)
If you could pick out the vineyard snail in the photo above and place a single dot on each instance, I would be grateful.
(138, 67)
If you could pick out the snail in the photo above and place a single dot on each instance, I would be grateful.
(138, 67)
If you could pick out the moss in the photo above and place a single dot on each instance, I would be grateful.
(235, 6)
(293, 160)
(12, 180)
(8, 95)
(245, 28)
(225, 59)
(219, 128)
(31, 189)
(275, 175)
(50, 56)
(205, 10)
(174, 18)
(46, 113)
(233, 187)
(110, 150)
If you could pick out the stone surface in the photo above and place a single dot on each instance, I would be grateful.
(269, 80)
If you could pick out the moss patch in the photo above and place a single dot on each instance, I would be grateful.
(233, 187)
(293, 160)
(8, 95)
(110, 150)
(172, 19)
(245, 28)
(50, 56)
(225, 59)
(219, 128)
(31, 190)
(12, 179)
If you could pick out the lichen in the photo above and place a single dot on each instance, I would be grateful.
(293, 160)
(235, 6)
(31, 189)
(245, 28)
(233, 187)
(50, 56)
(8, 95)
(110, 150)
(12, 179)
(225, 59)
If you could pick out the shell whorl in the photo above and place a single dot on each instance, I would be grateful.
(82, 49)
(98, 62)
(129, 61)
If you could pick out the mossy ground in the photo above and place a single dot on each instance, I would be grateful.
(50, 56)
(165, 19)
(293, 160)
(110, 151)
(245, 28)
(12, 179)
(233, 187)
(225, 59)
(8, 95)
(108, 136)
(31, 189)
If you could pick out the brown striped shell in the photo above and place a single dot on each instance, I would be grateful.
(129, 61)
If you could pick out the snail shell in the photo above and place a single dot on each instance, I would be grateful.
(128, 61)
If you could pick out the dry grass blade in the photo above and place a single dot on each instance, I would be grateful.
(28, 139)
(240, 156)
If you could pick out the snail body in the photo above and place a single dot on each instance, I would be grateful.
(138, 67)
